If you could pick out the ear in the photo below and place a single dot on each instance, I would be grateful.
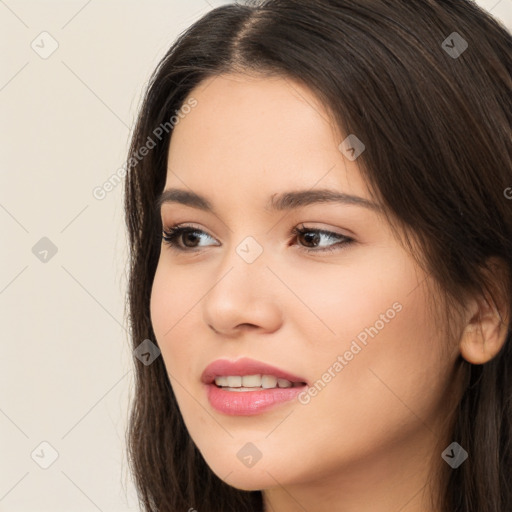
(487, 321)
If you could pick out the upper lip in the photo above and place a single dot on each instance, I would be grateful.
(244, 366)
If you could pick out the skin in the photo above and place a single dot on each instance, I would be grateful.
(371, 439)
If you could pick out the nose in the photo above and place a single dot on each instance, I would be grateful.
(242, 296)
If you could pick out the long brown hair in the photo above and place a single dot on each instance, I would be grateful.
(434, 110)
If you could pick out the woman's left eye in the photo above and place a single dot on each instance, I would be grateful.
(173, 235)
(341, 240)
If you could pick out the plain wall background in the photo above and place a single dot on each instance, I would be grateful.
(65, 364)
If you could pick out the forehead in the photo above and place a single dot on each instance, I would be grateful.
(256, 133)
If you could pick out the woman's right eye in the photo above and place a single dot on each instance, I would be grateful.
(173, 234)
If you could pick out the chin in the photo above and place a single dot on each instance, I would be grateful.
(246, 479)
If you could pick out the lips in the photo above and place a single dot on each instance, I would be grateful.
(248, 401)
(245, 366)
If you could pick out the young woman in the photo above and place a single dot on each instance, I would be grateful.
(319, 210)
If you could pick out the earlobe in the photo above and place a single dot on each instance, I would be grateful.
(485, 333)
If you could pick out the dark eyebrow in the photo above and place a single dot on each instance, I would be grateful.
(277, 202)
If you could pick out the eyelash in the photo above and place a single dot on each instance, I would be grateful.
(171, 234)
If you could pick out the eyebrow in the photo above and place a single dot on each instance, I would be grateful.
(277, 202)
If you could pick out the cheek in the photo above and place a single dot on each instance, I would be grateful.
(173, 295)
(161, 309)
(172, 302)
(394, 373)
(353, 296)
(393, 355)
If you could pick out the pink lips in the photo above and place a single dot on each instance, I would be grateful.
(247, 403)
(244, 366)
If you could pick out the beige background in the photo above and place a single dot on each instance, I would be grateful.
(65, 364)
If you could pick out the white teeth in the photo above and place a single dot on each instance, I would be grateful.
(268, 381)
(234, 382)
(283, 383)
(253, 381)
(221, 381)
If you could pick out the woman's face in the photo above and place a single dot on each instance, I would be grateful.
(352, 323)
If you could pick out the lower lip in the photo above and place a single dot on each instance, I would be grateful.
(249, 403)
